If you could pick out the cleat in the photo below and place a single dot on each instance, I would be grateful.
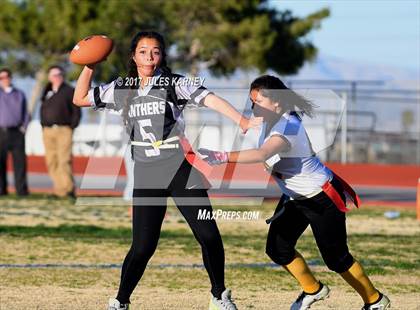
(114, 304)
(382, 304)
(224, 303)
(304, 301)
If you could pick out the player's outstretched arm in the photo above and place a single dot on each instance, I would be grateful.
(220, 105)
(274, 145)
(80, 97)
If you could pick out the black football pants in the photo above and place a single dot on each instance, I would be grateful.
(328, 225)
(149, 208)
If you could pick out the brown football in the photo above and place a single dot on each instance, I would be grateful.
(91, 50)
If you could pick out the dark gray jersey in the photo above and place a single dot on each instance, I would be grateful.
(154, 113)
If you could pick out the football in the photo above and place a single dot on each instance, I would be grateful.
(92, 49)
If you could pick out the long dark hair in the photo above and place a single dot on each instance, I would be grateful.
(132, 66)
(273, 88)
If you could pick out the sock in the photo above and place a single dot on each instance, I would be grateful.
(122, 301)
(217, 291)
(358, 279)
(379, 298)
(218, 296)
(300, 270)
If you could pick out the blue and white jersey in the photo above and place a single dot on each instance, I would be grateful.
(155, 118)
(298, 171)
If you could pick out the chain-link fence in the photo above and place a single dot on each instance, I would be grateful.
(381, 124)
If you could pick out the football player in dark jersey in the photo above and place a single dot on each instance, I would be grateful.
(151, 100)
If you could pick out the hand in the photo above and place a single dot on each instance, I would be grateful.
(247, 123)
(213, 157)
(22, 129)
(93, 66)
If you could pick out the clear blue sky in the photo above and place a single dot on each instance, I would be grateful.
(383, 32)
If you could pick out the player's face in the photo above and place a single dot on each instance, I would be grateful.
(263, 106)
(147, 56)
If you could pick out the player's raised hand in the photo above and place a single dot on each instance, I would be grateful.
(213, 157)
(247, 123)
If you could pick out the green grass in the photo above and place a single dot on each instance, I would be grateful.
(39, 229)
(399, 252)
(378, 211)
(69, 232)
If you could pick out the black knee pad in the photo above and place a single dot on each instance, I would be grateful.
(338, 263)
(281, 256)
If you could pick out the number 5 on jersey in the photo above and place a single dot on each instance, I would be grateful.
(148, 136)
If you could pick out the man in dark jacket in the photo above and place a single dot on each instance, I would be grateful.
(14, 119)
(59, 117)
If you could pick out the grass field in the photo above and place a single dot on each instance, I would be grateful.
(80, 238)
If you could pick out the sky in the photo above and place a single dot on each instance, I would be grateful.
(380, 32)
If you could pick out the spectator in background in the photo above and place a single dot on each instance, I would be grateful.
(59, 117)
(14, 119)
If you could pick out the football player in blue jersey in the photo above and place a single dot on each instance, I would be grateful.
(312, 195)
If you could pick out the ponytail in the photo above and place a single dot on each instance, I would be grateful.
(273, 88)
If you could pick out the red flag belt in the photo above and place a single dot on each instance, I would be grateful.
(196, 161)
(332, 193)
